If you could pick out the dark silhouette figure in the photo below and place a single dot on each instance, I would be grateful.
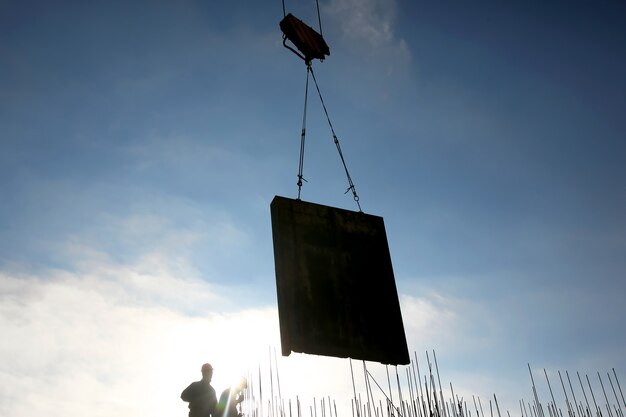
(200, 395)
(230, 399)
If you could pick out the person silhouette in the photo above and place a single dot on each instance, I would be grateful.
(230, 399)
(200, 395)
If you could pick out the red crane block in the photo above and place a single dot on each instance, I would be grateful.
(310, 43)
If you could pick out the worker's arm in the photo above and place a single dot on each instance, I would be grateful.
(189, 393)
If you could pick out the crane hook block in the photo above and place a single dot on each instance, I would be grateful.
(310, 43)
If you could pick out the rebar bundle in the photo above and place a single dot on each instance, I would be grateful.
(417, 395)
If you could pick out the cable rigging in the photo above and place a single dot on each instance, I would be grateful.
(311, 45)
(332, 264)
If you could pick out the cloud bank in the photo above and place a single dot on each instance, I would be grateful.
(109, 339)
(367, 28)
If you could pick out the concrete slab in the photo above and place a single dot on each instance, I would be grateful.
(336, 290)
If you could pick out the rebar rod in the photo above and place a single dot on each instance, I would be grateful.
(383, 392)
(497, 406)
(419, 378)
(439, 380)
(476, 407)
(430, 410)
(620, 387)
(605, 397)
(271, 384)
(550, 387)
(367, 391)
(280, 397)
(368, 387)
(430, 380)
(411, 393)
(598, 411)
(432, 386)
(481, 408)
(585, 410)
(537, 404)
(314, 406)
(522, 408)
(619, 406)
(389, 383)
(360, 404)
(570, 412)
(416, 385)
(260, 391)
(573, 393)
(617, 411)
(330, 407)
(354, 390)
(584, 393)
(401, 410)
(454, 405)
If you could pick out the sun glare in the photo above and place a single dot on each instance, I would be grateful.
(243, 345)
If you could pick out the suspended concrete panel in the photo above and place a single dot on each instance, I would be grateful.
(336, 289)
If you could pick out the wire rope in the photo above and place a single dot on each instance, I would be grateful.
(351, 186)
(303, 133)
(319, 19)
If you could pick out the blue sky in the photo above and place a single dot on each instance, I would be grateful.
(141, 145)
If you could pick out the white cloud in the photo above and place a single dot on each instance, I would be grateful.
(124, 340)
(176, 153)
(438, 321)
(116, 340)
(369, 20)
(368, 26)
(464, 334)
(111, 339)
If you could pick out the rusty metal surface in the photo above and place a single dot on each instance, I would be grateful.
(336, 289)
(304, 37)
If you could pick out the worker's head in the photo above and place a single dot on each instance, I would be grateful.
(207, 371)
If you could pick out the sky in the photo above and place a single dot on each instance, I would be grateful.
(141, 144)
